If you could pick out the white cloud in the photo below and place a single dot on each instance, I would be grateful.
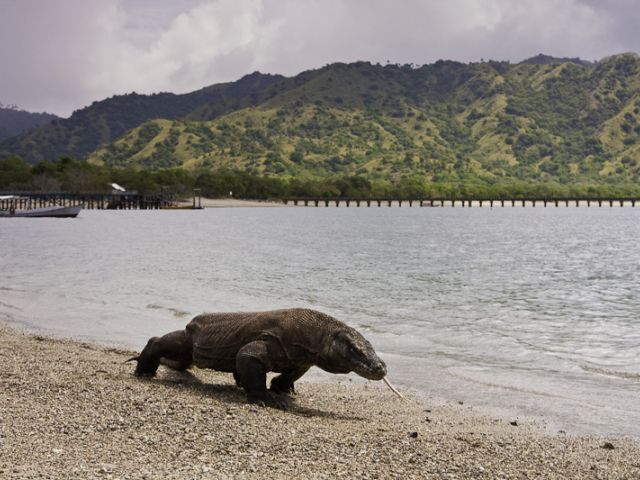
(185, 55)
(60, 55)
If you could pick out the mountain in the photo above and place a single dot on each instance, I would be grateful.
(102, 122)
(541, 119)
(14, 121)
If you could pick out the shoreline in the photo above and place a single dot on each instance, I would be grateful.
(74, 410)
(230, 203)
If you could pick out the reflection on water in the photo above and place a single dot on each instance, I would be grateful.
(529, 310)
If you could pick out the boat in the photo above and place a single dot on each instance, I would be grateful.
(56, 212)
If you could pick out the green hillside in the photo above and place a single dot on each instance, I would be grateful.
(544, 119)
(104, 121)
(569, 121)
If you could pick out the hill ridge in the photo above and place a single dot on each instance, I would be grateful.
(543, 118)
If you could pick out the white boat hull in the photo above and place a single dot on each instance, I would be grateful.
(57, 212)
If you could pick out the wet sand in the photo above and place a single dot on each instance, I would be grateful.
(74, 410)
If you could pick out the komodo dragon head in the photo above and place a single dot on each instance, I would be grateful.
(348, 351)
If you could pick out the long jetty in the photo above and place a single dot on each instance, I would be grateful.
(134, 201)
(106, 201)
(461, 202)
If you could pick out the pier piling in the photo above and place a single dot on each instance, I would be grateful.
(457, 202)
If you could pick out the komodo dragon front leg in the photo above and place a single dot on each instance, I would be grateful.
(284, 383)
(253, 361)
(173, 350)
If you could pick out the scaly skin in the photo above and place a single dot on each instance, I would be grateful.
(249, 345)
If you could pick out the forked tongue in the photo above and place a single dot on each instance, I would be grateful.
(392, 388)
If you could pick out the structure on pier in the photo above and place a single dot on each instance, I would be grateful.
(106, 201)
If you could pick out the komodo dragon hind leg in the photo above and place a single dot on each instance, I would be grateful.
(252, 365)
(284, 383)
(173, 350)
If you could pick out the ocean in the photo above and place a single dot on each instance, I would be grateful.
(522, 312)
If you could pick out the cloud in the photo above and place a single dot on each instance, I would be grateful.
(62, 55)
(423, 32)
(210, 42)
(44, 54)
(58, 56)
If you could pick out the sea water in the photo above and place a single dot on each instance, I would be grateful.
(531, 312)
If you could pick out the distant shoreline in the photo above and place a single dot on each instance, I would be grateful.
(230, 203)
(74, 410)
(486, 204)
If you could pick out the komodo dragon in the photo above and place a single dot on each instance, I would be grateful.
(251, 344)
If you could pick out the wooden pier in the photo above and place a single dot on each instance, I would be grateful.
(130, 201)
(101, 201)
(460, 202)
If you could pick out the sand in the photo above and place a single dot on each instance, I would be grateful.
(74, 410)
(230, 203)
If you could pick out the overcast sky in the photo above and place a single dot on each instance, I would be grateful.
(60, 55)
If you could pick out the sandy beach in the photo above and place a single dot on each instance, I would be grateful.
(74, 410)
(229, 203)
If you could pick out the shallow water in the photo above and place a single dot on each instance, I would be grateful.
(528, 311)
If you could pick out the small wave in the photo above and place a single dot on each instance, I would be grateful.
(11, 289)
(612, 373)
(176, 312)
(370, 328)
(8, 305)
(511, 388)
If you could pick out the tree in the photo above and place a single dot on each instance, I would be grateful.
(14, 173)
